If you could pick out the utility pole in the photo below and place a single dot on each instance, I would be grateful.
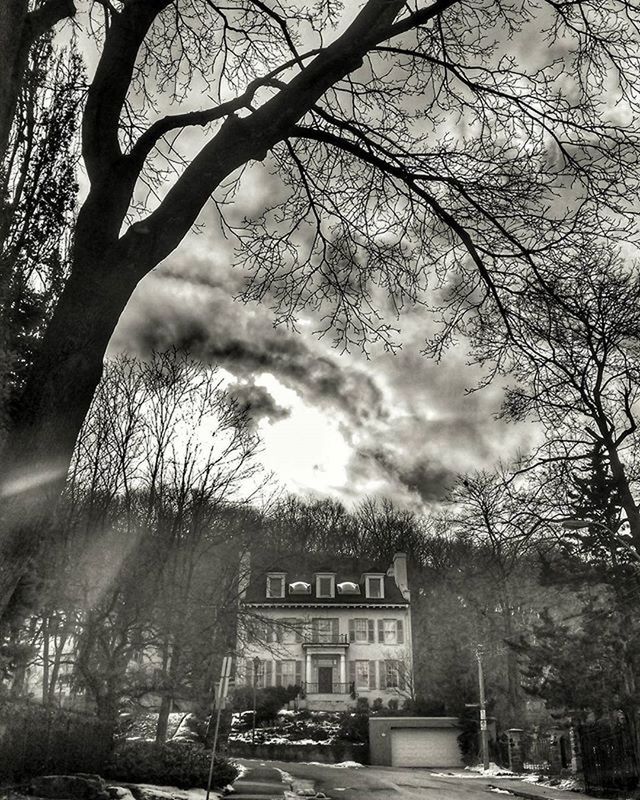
(484, 733)
(223, 688)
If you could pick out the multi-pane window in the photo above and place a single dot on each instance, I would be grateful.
(325, 586)
(393, 674)
(362, 674)
(288, 673)
(275, 586)
(290, 631)
(375, 586)
(361, 630)
(325, 630)
(390, 631)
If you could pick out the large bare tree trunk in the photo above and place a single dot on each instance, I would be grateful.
(54, 404)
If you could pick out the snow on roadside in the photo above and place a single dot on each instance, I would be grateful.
(339, 765)
(155, 792)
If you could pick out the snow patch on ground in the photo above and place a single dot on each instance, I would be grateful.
(339, 765)
(173, 793)
(566, 784)
(242, 770)
(494, 771)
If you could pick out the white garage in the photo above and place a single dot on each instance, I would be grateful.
(425, 747)
(415, 741)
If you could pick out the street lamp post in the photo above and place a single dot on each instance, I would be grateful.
(581, 524)
(256, 670)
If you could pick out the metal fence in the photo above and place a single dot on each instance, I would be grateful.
(35, 741)
(536, 753)
(609, 761)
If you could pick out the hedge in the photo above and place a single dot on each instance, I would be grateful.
(176, 763)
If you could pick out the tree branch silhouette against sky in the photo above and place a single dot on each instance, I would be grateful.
(352, 161)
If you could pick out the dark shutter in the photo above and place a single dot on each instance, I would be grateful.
(299, 623)
(278, 673)
(383, 674)
(335, 628)
(315, 636)
(352, 672)
(249, 671)
(400, 631)
(352, 630)
(402, 683)
(372, 675)
(298, 673)
(381, 630)
(268, 673)
(371, 631)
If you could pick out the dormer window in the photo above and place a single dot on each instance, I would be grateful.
(348, 587)
(375, 587)
(299, 587)
(275, 585)
(325, 585)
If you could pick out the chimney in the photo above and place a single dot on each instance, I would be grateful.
(400, 574)
(244, 574)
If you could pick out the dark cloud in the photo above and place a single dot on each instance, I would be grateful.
(426, 478)
(202, 318)
(257, 400)
(411, 423)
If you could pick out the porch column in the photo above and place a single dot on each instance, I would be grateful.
(307, 670)
(343, 668)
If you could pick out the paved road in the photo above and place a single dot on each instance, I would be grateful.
(382, 783)
(389, 783)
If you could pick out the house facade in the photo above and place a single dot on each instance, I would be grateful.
(337, 628)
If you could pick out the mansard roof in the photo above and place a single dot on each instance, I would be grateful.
(305, 566)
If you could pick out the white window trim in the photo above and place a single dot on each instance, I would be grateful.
(282, 577)
(365, 686)
(368, 586)
(395, 630)
(366, 630)
(332, 578)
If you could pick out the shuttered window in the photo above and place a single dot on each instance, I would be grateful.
(390, 631)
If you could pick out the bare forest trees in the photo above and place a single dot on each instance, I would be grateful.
(574, 367)
(409, 144)
(145, 565)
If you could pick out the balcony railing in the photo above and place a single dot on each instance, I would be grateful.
(333, 688)
(325, 638)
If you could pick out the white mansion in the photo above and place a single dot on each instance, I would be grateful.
(336, 627)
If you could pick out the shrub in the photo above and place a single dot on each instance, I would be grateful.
(35, 740)
(175, 763)
(268, 701)
(362, 706)
(354, 727)
(393, 704)
(377, 704)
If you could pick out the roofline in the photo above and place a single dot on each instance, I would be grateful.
(325, 605)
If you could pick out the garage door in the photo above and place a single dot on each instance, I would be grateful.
(425, 747)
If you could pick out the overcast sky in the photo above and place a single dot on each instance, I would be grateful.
(332, 424)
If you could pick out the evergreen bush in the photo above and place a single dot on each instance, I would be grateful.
(176, 763)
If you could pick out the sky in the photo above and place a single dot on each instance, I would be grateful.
(332, 424)
(336, 424)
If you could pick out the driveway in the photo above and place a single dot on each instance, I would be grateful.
(380, 783)
(389, 783)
